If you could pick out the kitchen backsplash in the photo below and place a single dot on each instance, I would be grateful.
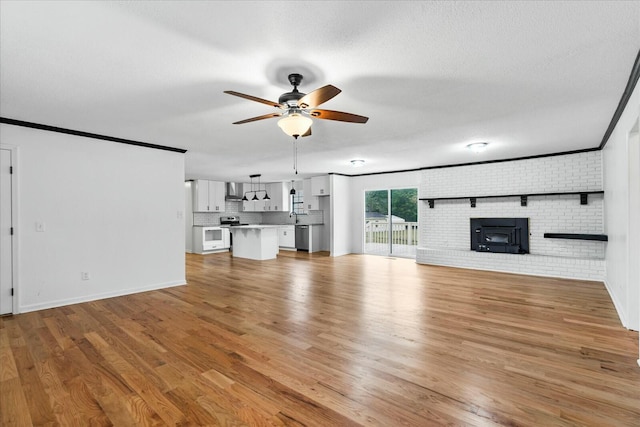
(313, 217)
(234, 208)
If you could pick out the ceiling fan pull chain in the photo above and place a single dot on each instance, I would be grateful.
(295, 155)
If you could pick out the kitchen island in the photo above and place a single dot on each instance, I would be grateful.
(259, 242)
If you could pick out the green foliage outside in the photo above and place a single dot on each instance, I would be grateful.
(404, 203)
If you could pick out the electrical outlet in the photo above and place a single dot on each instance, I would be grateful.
(85, 275)
(180, 214)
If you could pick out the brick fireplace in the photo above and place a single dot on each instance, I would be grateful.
(493, 190)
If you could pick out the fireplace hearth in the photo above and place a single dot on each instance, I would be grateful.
(501, 235)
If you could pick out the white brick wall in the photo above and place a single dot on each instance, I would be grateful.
(554, 174)
(537, 265)
(445, 229)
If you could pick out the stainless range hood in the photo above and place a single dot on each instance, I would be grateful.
(235, 191)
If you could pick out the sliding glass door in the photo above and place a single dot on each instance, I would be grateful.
(391, 222)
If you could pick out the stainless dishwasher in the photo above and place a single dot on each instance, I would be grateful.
(302, 237)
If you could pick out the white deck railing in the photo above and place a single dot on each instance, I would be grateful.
(404, 237)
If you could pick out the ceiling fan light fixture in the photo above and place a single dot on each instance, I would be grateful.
(356, 163)
(478, 147)
(295, 124)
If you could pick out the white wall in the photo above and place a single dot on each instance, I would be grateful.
(360, 184)
(340, 218)
(445, 232)
(325, 238)
(188, 216)
(115, 211)
(618, 201)
(634, 227)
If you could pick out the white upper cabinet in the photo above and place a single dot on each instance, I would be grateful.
(279, 194)
(278, 198)
(208, 196)
(311, 202)
(320, 185)
(254, 205)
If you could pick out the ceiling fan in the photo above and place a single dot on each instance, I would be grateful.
(299, 107)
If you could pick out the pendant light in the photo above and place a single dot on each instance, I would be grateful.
(266, 195)
(255, 192)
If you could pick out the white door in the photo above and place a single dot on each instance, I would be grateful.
(6, 252)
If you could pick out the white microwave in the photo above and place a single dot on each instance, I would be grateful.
(211, 239)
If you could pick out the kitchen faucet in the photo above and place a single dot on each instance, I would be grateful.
(294, 213)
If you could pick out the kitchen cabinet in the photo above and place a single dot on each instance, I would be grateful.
(287, 236)
(257, 242)
(210, 239)
(278, 198)
(320, 185)
(311, 202)
(279, 194)
(254, 205)
(208, 196)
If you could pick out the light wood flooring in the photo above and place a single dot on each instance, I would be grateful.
(310, 340)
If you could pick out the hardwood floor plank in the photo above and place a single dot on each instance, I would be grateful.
(8, 370)
(40, 410)
(313, 340)
(14, 409)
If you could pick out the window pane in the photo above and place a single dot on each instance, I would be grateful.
(376, 222)
(404, 222)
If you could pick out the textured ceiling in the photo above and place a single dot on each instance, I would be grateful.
(529, 77)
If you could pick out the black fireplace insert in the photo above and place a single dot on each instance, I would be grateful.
(504, 235)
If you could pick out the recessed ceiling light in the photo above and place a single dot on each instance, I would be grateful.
(357, 163)
(478, 147)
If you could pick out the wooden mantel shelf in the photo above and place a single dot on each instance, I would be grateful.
(584, 197)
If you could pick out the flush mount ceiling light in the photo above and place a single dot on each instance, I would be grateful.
(478, 147)
(356, 163)
(299, 107)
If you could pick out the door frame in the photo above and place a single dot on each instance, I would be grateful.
(389, 191)
(15, 220)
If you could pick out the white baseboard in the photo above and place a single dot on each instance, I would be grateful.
(619, 308)
(104, 295)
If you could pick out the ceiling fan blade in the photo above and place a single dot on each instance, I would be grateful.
(307, 133)
(253, 119)
(338, 115)
(253, 98)
(318, 96)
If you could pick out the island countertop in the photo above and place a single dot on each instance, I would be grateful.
(254, 226)
(269, 225)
